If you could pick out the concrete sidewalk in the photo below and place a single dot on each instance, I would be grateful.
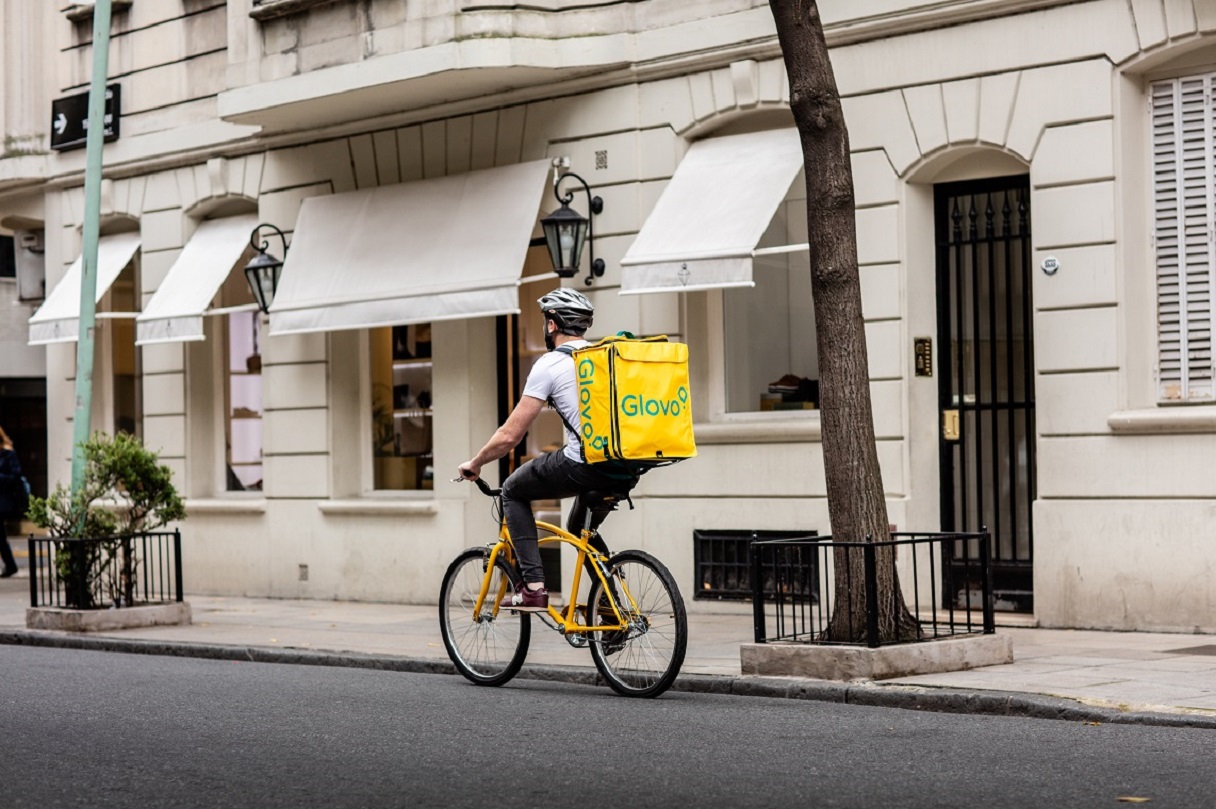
(1084, 675)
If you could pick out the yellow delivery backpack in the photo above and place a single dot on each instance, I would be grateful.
(634, 407)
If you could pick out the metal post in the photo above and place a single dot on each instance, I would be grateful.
(753, 552)
(986, 578)
(92, 233)
(32, 547)
(870, 560)
(177, 563)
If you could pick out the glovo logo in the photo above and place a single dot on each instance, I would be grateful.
(586, 378)
(639, 405)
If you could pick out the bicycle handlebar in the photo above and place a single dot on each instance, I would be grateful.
(481, 484)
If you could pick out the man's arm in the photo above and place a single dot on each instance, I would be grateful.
(505, 437)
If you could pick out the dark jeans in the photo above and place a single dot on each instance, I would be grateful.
(553, 476)
(6, 552)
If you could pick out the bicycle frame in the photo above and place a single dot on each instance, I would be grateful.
(568, 622)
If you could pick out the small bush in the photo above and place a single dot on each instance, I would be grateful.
(125, 491)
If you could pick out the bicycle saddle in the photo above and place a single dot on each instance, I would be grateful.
(603, 497)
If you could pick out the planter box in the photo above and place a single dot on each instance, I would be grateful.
(65, 620)
(825, 662)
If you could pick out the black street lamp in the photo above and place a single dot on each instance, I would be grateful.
(566, 232)
(262, 271)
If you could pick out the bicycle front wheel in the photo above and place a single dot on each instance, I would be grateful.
(644, 659)
(487, 648)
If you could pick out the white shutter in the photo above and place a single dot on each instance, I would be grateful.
(1184, 208)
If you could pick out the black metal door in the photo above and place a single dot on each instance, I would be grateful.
(986, 353)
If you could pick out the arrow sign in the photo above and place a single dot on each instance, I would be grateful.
(70, 119)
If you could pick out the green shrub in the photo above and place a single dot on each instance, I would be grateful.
(125, 491)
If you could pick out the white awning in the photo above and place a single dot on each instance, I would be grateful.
(58, 319)
(175, 312)
(704, 229)
(449, 247)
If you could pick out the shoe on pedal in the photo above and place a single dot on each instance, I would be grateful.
(527, 600)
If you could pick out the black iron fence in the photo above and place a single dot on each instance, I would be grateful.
(796, 592)
(123, 571)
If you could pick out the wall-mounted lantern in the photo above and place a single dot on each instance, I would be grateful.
(262, 271)
(566, 231)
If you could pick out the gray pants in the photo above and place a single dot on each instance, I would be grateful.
(553, 476)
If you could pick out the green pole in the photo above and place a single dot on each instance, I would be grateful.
(92, 233)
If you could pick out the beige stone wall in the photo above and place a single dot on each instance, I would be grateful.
(932, 92)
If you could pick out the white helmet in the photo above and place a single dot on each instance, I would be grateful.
(569, 309)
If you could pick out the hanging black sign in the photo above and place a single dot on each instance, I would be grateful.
(70, 119)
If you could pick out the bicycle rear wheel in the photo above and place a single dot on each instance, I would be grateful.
(643, 660)
(487, 649)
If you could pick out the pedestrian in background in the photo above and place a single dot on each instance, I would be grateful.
(11, 501)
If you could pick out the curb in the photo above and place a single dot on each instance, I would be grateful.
(914, 698)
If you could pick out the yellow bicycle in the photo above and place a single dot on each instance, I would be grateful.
(633, 620)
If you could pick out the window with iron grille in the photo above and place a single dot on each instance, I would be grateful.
(1184, 234)
(722, 564)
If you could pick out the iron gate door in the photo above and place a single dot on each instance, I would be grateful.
(986, 388)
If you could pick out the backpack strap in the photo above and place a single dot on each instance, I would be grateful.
(569, 352)
(611, 469)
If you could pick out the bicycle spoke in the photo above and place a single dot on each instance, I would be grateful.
(644, 659)
(485, 648)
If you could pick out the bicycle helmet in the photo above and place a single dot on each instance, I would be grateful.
(569, 309)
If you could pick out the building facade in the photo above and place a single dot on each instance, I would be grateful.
(1034, 185)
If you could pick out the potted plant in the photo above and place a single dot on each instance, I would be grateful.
(126, 492)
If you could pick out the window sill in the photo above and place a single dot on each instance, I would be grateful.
(372, 507)
(759, 428)
(1164, 420)
(228, 505)
(80, 12)
(270, 9)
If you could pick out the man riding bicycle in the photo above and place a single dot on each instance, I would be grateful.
(562, 473)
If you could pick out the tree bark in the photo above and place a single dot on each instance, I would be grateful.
(857, 506)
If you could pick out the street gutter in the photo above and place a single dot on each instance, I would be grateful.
(904, 697)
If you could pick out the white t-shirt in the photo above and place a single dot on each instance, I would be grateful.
(552, 377)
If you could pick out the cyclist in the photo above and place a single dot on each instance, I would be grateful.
(561, 473)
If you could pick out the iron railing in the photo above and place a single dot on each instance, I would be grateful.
(144, 568)
(794, 591)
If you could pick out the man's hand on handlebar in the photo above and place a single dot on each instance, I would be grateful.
(468, 471)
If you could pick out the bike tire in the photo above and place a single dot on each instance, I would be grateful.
(489, 651)
(645, 660)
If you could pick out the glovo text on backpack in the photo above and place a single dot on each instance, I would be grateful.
(634, 404)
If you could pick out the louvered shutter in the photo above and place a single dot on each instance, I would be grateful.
(1184, 207)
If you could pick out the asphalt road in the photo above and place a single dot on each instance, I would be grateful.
(100, 729)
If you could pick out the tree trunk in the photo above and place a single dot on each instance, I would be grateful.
(856, 503)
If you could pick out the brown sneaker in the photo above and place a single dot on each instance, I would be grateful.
(527, 600)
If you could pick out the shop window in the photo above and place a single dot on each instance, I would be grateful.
(771, 361)
(524, 345)
(402, 435)
(126, 394)
(546, 433)
(243, 400)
